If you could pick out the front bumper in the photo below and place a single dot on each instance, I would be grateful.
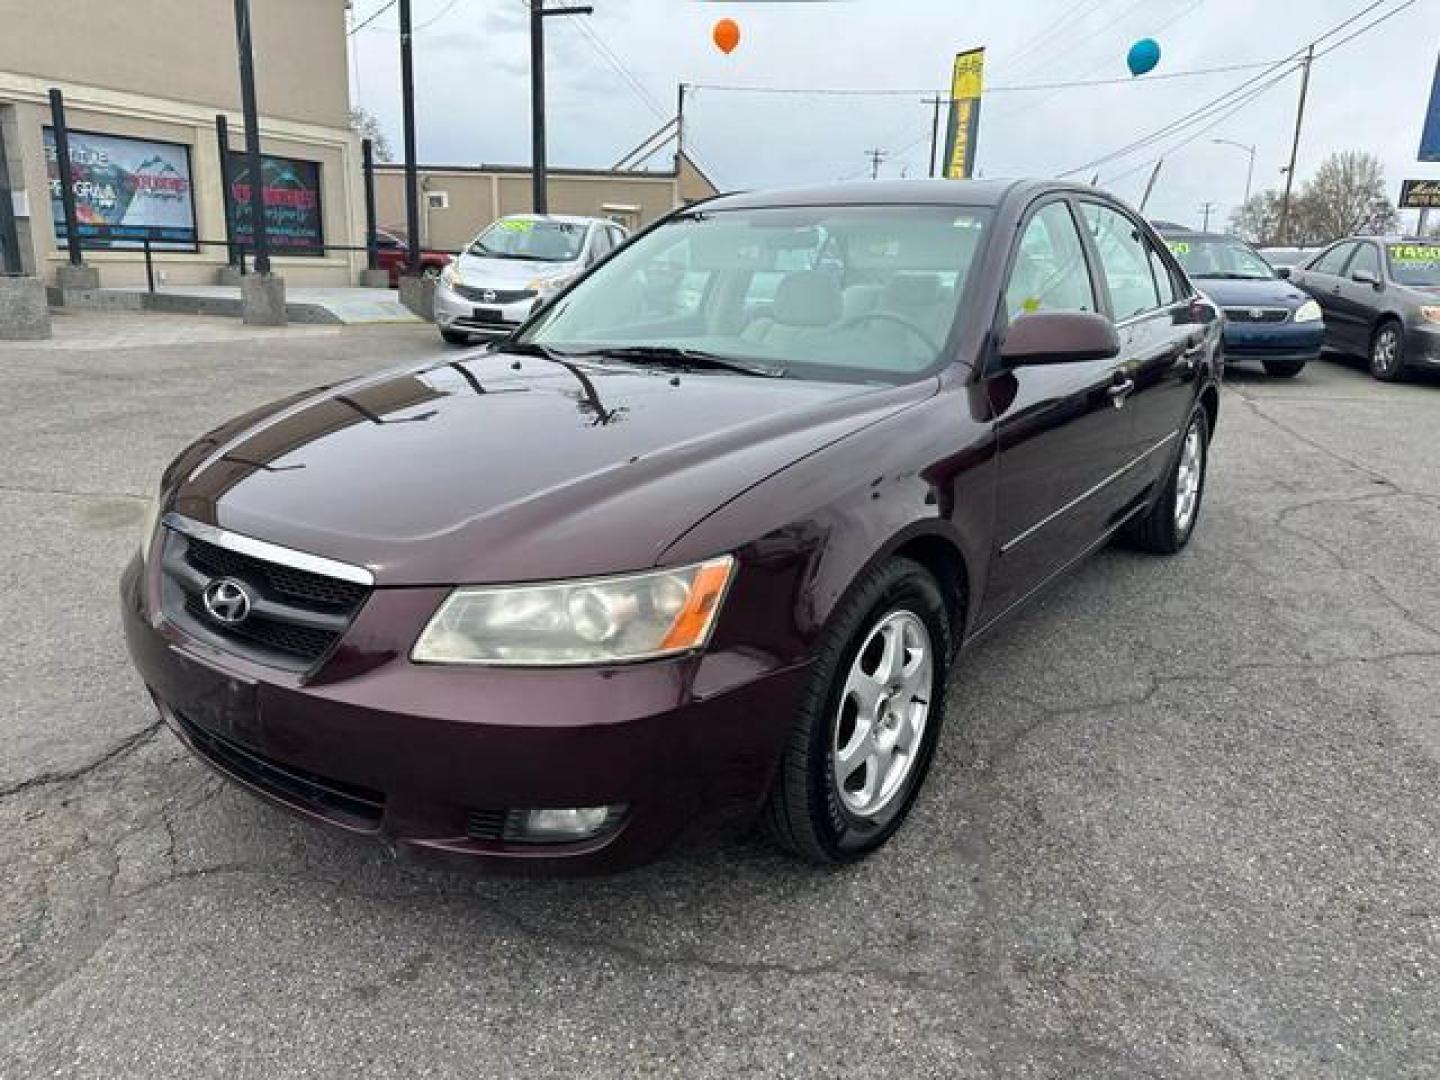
(416, 755)
(457, 313)
(1422, 344)
(1295, 342)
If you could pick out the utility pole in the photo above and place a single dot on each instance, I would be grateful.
(937, 101)
(1295, 146)
(876, 156)
(679, 128)
(538, 13)
(407, 101)
(1250, 169)
(1206, 208)
(1149, 186)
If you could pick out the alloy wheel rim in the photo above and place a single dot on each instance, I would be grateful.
(883, 713)
(1386, 348)
(1187, 479)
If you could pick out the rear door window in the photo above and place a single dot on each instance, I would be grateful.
(1333, 261)
(1125, 259)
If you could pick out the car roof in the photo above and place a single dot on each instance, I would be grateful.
(566, 219)
(893, 193)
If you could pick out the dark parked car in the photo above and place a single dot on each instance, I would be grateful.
(393, 253)
(1381, 297)
(1266, 318)
(681, 556)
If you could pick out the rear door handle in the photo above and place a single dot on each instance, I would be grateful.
(1120, 391)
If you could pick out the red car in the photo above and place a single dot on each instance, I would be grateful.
(698, 543)
(392, 252)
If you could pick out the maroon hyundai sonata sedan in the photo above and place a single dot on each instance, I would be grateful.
(698, 543)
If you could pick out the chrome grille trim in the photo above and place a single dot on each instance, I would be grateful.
(263, 549)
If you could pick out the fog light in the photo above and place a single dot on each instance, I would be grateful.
(555, 825)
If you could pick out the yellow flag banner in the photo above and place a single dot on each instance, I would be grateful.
(966, 86)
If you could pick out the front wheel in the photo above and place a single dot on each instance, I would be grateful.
(1284, 369)
(1167, 526)
(1387, 352)
(868, 720)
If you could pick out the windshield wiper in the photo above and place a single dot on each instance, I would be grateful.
(529, 348)
(685, 358)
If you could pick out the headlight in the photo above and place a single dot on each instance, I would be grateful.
(450, 276)
(595, 621)
(148, 527)
(1309, 311)
(1430, 314)
(549, 286)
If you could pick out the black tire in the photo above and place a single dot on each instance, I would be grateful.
(804, 812)
(1387, 351)
(455, 337)
(1284, 369)
(1158, 530)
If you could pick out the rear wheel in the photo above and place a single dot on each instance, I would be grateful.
(1167, 526)
(455, 337)
(1387, 352)
(1284, 369)
(868, 720)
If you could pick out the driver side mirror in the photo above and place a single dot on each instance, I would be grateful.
(1284, 272)
(1059, 337)
(1365, 277)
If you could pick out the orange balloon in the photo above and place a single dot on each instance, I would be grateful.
(726, 35)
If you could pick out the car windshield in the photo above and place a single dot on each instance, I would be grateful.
(530, 239)
(849, 293)
(1415, 264)
(1219, 258)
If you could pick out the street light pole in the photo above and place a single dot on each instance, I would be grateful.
(1250, 169)
(538, 13)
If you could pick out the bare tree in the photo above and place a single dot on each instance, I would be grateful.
(1346, 193)
(364, 124)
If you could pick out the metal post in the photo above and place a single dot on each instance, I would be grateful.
(222, 139)
(67, 178)
(937, 101)
(367, 157)
(10, 262)
(1295, 147)
(149, 267)
(258, 238)
(407, 101)
(1249, 168)
(679, 129)
(537, 107)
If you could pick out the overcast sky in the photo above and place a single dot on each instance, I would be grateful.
(472, 67)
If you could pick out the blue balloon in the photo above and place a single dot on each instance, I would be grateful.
(1144, 55)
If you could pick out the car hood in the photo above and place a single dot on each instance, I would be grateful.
(501, 468)
(481, 272)
(1269, 292)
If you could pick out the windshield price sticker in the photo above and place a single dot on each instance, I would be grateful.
(1179, 247)
(1415, 253)
(515, 225)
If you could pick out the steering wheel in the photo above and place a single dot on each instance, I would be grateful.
(890, 316)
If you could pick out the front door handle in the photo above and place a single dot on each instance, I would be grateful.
(1120, 391)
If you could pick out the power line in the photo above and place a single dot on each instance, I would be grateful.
(1202, 112)
(436, 17)
(373, 16)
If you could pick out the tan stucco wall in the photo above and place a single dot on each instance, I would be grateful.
(164, 75)
(479, 197)
(185, 50)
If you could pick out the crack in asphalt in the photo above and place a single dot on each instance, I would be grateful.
(69, 493)
(66, 776)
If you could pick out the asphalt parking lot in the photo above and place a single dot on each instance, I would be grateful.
(1184, 822)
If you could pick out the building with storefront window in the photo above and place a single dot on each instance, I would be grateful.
(142, 85)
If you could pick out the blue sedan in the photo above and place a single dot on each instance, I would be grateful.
(1266, 318)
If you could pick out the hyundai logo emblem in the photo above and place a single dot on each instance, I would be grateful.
(227, 601)
(488, 296)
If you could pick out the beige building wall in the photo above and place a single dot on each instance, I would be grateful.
(164, 75)
(477, 195)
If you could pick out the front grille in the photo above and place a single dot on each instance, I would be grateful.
(296, 616)
(350, 805)
(1257, 315)
(494, 296)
